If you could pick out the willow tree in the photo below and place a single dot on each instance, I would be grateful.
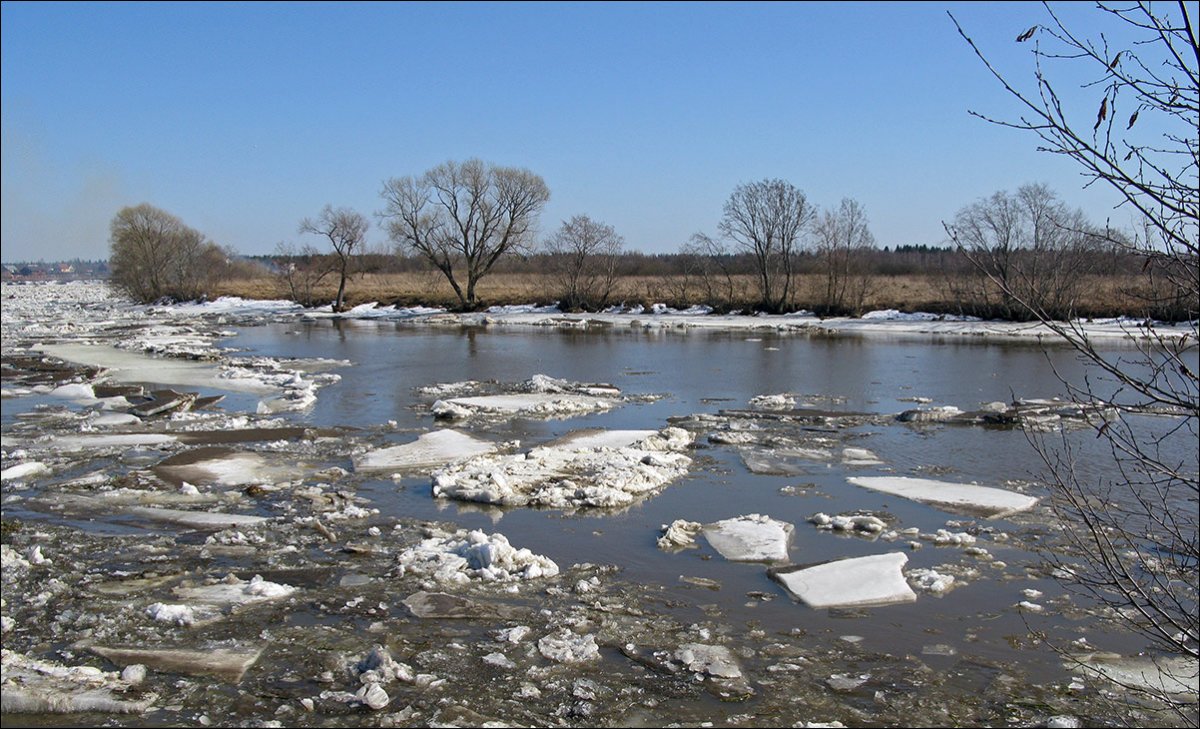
(154, 256)
(464, 217)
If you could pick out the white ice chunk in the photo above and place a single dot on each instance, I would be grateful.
(462, 556)
(983, 500)
(23, 470)
(113, 420)
(1174, 675)
(567, 647)
(431, 449)
(750, 538)
(860, 581)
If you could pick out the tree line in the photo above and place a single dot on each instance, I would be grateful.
(467, 220)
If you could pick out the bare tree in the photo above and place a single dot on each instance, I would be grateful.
(301, 270)
(843, 240)
(583, 262)
(154, 255)
(1136, 534)
(1035, 249)
(464, 216)
(708, 259)
(767, 219)
(346, 231)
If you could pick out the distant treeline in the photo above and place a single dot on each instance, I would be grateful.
(904, 260)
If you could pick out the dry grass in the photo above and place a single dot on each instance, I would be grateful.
(1105, 296)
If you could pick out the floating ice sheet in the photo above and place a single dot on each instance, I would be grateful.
(431, 449)
(125, 366)
(855, 582)
(750, 538)
(961, 497)
(540, 404)
(568, 477)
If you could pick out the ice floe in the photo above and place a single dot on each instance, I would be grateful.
(567, 477)
(855, 582)
(968, 498)
(1175, 676)
(428, 450)
(750, 538)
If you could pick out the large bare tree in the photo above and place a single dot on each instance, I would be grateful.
(1135, 534)
(464, 217)
(768, 219)
(583, 262)
(153, 255)
(346, 231)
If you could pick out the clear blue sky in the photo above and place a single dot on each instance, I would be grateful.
(242, 119)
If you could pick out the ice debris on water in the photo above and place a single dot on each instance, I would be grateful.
(679, 534)
(565, 646)
(462, 556)
(565, 477)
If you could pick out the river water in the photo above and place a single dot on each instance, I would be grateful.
(970, 642)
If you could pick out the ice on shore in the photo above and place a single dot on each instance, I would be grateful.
(461, 556)
(750, 538)
(428, 450)
(566, 477)
(855, 582)
(969, 498)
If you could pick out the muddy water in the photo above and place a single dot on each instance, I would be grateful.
(966, 657)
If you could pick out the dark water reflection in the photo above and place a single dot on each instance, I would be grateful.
(703, 372)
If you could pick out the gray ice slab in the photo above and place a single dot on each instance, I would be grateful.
(857, 582)
(229, 664)
(750, 538)
(961, 497)
(213, 520)
(124, 366)
(595, 438)
(427, 451)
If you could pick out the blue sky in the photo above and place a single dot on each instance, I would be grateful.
(242, 119)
